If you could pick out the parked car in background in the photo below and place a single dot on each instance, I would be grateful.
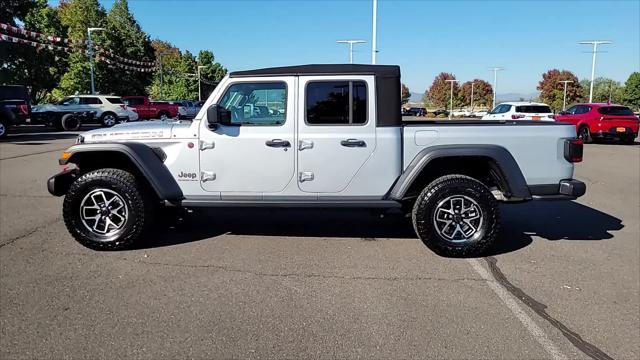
(108, 109)
(601, 121)
(416, 111)
(479, 114)
(520, 111)
(15, 107)
(441, 112)
(148, 109)
(189, 110)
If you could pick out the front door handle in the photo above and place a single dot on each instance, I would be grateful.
(353, 143)
(279, 143)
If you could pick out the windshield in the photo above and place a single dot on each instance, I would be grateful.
(615, 110)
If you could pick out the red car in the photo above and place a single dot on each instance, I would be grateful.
(148, 109)
(602, 121)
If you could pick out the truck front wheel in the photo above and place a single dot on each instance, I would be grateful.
(106, 209)
(456, 216)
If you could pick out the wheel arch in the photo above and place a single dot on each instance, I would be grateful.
(486, 163)
(143, 161)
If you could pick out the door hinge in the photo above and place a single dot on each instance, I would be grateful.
(205, 145)
(305, 144)
(305, 176)
(207, 176)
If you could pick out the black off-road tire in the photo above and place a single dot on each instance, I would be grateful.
(443, 188)
(139, 201)
(70, 122)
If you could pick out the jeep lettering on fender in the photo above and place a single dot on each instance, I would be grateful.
(348, 148)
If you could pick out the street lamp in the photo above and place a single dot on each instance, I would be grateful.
(160, 55)
(374, 50)
(595, 44)
(89, 30)
(495, 83)
(451, 100)
(472, 84)
(199, 87)
(564, 99)
(351, 42)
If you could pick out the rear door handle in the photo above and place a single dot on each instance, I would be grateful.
(279, 143)
(353, 143)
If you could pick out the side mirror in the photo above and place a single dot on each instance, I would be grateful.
(217, 115)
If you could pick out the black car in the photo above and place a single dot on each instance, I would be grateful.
(15, 106)
(416, 111)
(441, 112)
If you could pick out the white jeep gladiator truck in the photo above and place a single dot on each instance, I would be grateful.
(314, 136)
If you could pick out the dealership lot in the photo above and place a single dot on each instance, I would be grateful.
(564, 283)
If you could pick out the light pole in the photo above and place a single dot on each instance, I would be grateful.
(160, 55)
(495, 83)
(472, 84)
(89, 30)
(564, 99)
(451, 98)
(374, 50)
(595, 44)
(199, 87)
(351, 42)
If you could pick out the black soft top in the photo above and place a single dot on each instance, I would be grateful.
(388, 101)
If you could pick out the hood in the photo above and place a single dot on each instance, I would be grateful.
(131, 131)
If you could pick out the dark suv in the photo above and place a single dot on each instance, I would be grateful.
(15, 106)
(416, 111)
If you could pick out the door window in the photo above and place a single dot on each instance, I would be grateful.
(134, 101)
(572, 110)
(336, 103)
(501, 109)
(70, 101)
(263, 103)
(90, 101)
(582, 109)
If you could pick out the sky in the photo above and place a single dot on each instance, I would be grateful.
(424, 37)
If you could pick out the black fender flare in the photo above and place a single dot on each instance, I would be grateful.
(147, 160)
(508, 166)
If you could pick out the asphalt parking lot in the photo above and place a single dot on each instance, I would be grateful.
(564, 282)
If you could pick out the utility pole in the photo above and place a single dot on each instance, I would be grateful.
(161, 74)
(89, 30)
(351, 42)
(374, 50)
(610, 90)
(472, 84)
(495, 83)
(199, 87)
(595, 44)
(451, 98)
(564, 99)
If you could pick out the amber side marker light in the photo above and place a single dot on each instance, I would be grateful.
(64, 157)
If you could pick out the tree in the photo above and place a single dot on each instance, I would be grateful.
(603, 89)
(212, 72)
(552, 90)
(39, 69)
(125, 38)
(482, 93)
(405, 93)
(631, 93)
(77, 16)
(440, 91)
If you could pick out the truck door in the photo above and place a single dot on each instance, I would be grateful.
(255, 154)
(336, 130)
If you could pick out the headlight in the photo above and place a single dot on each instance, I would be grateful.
(80, 139)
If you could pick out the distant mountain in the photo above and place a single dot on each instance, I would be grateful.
(517, 97)
(416, 97)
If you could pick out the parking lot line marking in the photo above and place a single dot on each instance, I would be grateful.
(511, 303)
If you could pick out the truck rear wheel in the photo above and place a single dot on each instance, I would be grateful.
(456, 216)
(106, 209)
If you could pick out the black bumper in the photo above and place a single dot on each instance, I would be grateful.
(613, 133)
(59, 183)
(565, 190)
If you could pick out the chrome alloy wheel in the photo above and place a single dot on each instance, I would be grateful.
(458, 218)
(104, 212)
(109, 120)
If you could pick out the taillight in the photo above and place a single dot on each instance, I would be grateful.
(24, 108)
(517, 116)
(573, 150)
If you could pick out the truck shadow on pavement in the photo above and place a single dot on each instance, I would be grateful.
(561, 220)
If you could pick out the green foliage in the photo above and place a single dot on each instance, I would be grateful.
(552, 90)
(441, 116)
(405, 94)
(603, 89)
(631, 93)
